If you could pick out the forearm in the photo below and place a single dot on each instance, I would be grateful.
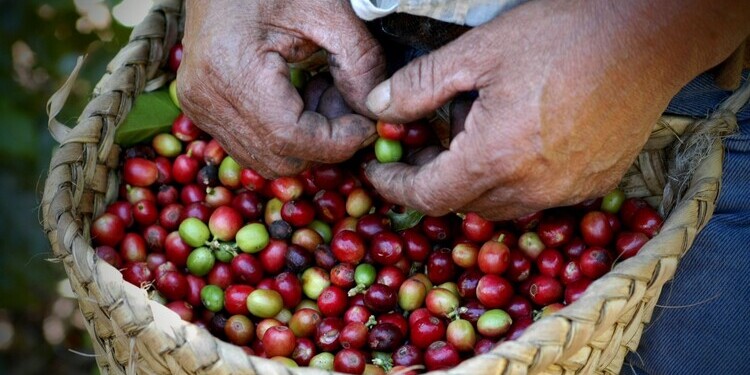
(677, 40)
(630, 55)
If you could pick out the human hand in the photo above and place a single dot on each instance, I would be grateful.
(234, 80)
(568, 94)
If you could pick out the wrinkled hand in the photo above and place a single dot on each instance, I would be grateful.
(568, 94)
(234, 80)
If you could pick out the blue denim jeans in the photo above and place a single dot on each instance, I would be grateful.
(702, 322)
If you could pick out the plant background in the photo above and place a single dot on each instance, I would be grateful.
(41, 328)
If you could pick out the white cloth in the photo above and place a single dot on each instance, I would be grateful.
(462, 12)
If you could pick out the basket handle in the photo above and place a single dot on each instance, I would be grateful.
(57, 101)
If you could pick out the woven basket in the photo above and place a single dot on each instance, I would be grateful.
(132, 334)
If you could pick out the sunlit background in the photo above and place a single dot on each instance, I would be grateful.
(41, 328)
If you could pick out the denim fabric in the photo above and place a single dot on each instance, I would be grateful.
(701, 325)
(700, 96)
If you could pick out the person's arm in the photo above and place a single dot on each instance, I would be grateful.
(568, 94)
(234, 79)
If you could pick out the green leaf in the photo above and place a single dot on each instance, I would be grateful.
(152, 113)
(405, 220)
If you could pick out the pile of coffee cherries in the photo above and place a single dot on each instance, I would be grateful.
(318, 270)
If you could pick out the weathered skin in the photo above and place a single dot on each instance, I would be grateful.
(234, 80)
(568, 93)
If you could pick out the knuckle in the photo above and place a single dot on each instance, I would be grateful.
(280, 141)
(426, 201)
(369, 59)
(422, 203)
(480, 161)
(277, 147)
(196, 97)
(422, 76)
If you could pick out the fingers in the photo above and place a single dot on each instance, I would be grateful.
(503, 203)
(424, 156)
(290, 131)
(423, 85)
(443, 184)
(314, 90)
(240, 92)
(319, 139)
(499, 204)
(332, 104)
(459, 110)
(246, 153)
(355, 58)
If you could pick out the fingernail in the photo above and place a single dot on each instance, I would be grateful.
(370, 140)
(369, 166)
(380, 97)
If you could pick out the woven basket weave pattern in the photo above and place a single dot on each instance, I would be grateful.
(132, 334)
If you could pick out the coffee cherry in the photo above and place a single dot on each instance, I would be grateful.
(494, 291)
(279, 341)
(545, 290)
(384, 337)
(460, 333)
(595, 262)
(212, 298)
(194, 232)
(264, 303)
(380, 298)
(239, 329)
(200, 261)
(140, 172)
(411, 295)
(426, 331)
(108, 230)
(224, 223)
(388, 151)
(494, 323)
(441, 355)
(252, 238)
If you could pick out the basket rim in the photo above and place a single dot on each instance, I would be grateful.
(186, 348)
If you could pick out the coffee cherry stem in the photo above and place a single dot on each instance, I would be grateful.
(371, 322)
(501, 237)
(360, 288)
(537, 314)
(382, 360)
(213, 244)
(456, 313)
(223, 251)
(217, 245)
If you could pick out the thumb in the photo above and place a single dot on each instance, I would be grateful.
(423, 85)
(355, 58)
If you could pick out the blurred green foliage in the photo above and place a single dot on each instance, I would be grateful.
(40, 42)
